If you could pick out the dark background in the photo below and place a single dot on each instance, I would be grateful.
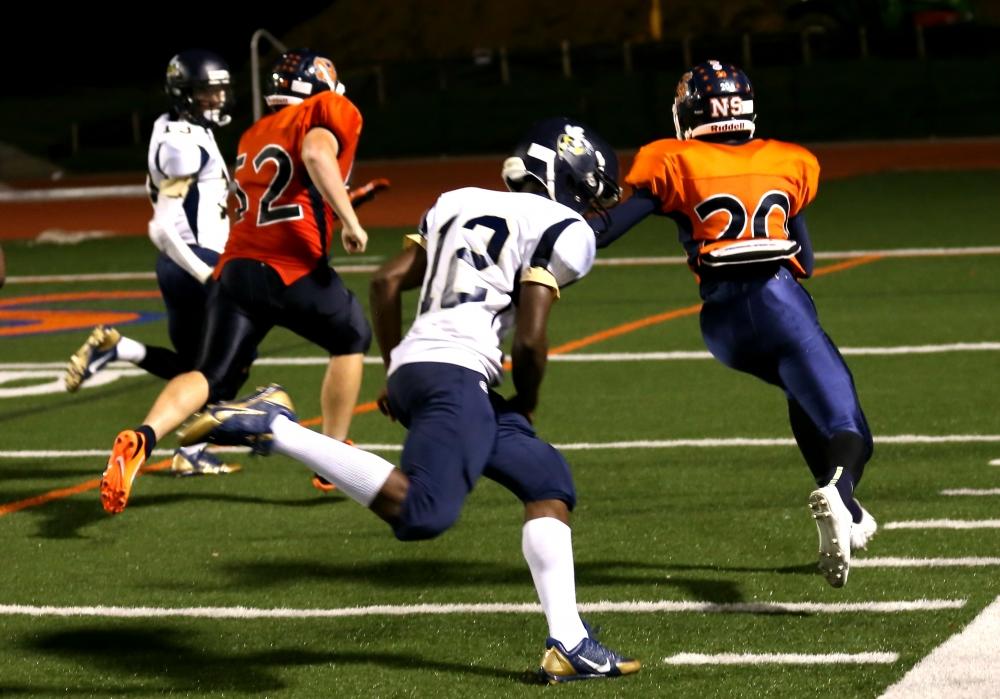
(82, 93)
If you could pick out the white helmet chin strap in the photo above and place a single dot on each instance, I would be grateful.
(281, 100)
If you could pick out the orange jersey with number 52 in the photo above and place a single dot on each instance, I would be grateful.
(721, 194)
(281, 219)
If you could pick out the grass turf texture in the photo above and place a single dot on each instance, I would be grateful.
(716, 524)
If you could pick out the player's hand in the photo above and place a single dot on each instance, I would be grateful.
(519, 405)
(366, 192)
(383, 403)
(354, 239)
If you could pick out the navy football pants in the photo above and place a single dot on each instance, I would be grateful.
(185, 298)
(768, 327)
(250, 298)
(459, 431)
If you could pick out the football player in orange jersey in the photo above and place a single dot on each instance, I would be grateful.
(290, 178)
(738, 201)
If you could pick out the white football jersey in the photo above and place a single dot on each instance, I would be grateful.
(481, 244)
(177, 150)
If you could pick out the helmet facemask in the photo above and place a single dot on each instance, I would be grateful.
(213, 101)
(199, 88)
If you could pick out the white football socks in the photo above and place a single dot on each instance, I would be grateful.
(130, 351)
(358, 474)
(547, 545)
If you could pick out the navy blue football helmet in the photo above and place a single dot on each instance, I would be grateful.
(199, 88)
(714, 101)
(298, 74)
(566, 162)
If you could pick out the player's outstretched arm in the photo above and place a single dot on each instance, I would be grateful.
(319, 154)
(385, 293)
(798, 232)
(530, 349)
(624, 217)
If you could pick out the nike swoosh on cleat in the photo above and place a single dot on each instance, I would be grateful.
(96, 366)
(223, 415)
(606, 667)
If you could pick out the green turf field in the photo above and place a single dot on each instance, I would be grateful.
(695, 521)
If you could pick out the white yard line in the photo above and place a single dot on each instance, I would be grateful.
(604, 261)
(124, 191)
(634, 607)
(944, 524)
(677, 355)
(825, 255)
(973, 492)
(582, 446)
(19, 372)
(966, 666)
(995, 462)
(781, 658)
(971, 562)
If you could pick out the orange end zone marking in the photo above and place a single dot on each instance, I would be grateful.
(616, 331)
(15, 320)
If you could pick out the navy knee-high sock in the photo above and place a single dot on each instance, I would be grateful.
(162, 362)
(846, 455)
(150, 442)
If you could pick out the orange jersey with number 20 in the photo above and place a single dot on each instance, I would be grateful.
(722, 194)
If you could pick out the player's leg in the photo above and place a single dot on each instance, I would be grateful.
(816, 449)
(816, 378)
(339, 394)
(231, 337)
(768, 327)
(320, 308)
(186, 301)
(538, 475)
(826, 414)
(451, 431)
(729, 328)
(811, 441)
(184, 298)
(99, 349)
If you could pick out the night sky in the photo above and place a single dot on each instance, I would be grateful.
(71, 46)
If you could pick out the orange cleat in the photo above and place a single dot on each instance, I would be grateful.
(323, 485)
(127, 457)
(366, 192)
